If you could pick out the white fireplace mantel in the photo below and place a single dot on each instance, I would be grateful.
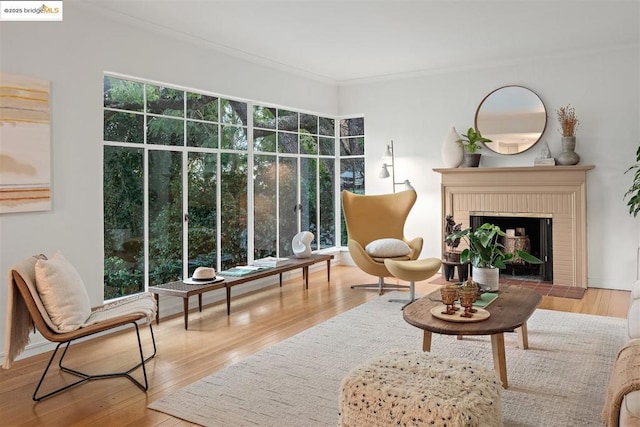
(556, 191)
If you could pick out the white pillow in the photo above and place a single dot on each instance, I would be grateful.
(388, 248)
(62, 292)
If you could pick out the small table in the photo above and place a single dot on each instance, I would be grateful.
(449, 268)
(509, 312)
(184, 290)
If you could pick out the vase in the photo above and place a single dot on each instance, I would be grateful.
(568, 155)
(471, 160)
(451, 151)
(488, 279)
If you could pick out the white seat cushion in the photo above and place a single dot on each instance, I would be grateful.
(62, 292)
(388, 248)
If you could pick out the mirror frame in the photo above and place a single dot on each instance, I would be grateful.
(544, 127)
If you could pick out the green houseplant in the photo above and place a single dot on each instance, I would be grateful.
(471, 142)
(485, 253)
(633, 193)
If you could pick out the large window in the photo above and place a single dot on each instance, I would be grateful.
(351, 161)
(194, 179)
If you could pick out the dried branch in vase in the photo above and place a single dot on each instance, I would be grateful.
(568, 120)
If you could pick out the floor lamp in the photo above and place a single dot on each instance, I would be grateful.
(389, 156)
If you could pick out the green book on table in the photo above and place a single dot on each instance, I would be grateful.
(485, 299)
(241, 270)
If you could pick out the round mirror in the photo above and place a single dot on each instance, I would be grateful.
(513, 117)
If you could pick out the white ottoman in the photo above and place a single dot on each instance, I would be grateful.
(416, 389)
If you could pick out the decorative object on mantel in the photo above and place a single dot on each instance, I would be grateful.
(634, 190)
(545, 158)
(390, 162)
(470, 143)
(568, 123)
(452, 153)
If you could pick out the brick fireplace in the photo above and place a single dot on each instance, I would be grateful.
(555, 192)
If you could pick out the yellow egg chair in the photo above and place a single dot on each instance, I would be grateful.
(370, 218)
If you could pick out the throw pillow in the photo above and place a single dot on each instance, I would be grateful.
(62, 292)
(387, 248)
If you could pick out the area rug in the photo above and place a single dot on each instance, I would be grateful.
(561, 380)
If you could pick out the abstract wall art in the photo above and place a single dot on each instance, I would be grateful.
(25, 144)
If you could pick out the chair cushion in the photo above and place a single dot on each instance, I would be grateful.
(387, 248)
(633, 319)
(63, 293)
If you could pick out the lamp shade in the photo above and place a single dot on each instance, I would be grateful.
(384, 172)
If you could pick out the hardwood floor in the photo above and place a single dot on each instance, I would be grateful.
(213, 341)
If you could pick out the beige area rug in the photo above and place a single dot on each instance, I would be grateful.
(560, 381)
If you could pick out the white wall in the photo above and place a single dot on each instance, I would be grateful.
(73, 55)
(603, 87)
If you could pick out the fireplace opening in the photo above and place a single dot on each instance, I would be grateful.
(532, 233)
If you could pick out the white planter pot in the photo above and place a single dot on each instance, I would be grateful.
(487, 278)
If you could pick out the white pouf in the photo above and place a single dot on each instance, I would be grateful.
(415, 388)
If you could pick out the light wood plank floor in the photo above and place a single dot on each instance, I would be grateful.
(212, 342)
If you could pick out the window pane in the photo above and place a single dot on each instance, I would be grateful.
(202, 211)
(264, 140)
(352, 146)
(351, 179)
(308, 144)
(288, 174)
(326, 235)
(287, 120)
(123, 221)
(123, 127)
(202, 134)
(288, 143)
(264, 117)
(123, 94)
(234, 137)
(327, 126)
(165, 101)
(308, 123)
(165, 131)
(308, 197)
(202, 107)
(165, 216)
(265, 213)
(233, 112)
(233, 169)
(352, 127)
(327, 146)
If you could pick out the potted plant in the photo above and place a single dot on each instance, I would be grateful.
(485, 254)
(471, 143)
(634, 191)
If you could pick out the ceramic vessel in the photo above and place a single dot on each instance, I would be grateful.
(488, 279)
(568, 155)
(451, 151)
(471, 160)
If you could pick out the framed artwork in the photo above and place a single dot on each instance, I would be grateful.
(25, 144)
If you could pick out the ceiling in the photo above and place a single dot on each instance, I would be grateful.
(360, 40)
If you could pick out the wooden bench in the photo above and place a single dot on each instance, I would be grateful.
(184, 290)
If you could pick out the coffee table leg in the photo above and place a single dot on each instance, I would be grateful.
(328, 270)
(228, 300)
(499, 358)
(305, 276)
(185, 303)
(523, 336)
(426, 341)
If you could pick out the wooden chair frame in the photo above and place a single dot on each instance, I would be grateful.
(66, 338)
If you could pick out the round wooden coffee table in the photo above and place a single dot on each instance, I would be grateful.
(508, 312)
